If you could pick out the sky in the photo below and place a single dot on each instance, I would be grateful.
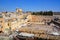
(30, 5)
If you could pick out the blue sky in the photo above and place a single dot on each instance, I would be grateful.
(29, 5)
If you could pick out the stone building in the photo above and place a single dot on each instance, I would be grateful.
(1, 22)
(19, 11)
(39, 19)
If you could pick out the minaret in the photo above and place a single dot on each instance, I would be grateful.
(19, 11)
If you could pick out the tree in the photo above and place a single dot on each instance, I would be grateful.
(49, 13)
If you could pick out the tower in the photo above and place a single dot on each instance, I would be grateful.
(19, 11)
